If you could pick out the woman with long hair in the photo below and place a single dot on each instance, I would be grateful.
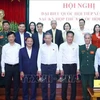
(96, 35)
(32, 28)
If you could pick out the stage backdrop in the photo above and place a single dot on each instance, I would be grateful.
(15, 10)
(64, 11)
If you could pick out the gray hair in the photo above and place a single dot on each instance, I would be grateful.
(47, 33)
(53, 21)
(87, 34)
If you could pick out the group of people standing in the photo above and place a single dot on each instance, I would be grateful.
(35, 55)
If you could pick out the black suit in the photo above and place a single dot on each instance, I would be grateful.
(36, 40)
(58, 36)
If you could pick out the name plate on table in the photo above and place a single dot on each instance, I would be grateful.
(96, 84)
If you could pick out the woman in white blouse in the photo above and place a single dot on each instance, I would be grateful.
(66, 27)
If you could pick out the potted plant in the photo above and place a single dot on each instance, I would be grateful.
(13, 26)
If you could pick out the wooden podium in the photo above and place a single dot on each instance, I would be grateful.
(94, 93)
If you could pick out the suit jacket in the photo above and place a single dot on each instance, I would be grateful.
(87, 59)
(18, 39)
(28, 65)
(36, 40)
(58, 36)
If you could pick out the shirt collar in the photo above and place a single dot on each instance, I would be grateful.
(53, 29)
(40, 33)
(87, 45)
(29, 49)
(21, 33)
(11, 45)
(70, 44)
(47, 45)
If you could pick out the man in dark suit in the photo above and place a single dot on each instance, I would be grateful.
(56, 34)
(38, 37)
(21, 35)
(87, 70)
(28, 69)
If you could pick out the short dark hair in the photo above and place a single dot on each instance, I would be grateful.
(39, 23)
(70, 32)
(28, 38)
(65, 24)
(82, 20)
(21, 23)
(5, 21)
(10, 33)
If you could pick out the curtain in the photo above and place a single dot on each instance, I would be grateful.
(15, 10)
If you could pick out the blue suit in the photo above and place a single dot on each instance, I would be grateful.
(18, 39)
(36, 40)
(29, 67)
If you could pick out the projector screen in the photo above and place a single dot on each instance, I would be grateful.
(64, 11)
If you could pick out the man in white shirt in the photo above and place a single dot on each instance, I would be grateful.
(38, 37)
(97, 63)
(28, 69)
(79, 33)
(47, 66)
(10, 65)
(69, 64)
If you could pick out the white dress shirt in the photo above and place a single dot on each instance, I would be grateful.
(97, 59)
(29, 51)
(64, 35)
(48, 54)
(79, 36)
(22, 40)
(53, 33)
(68, 54)
(87, 46)
(40, 35)
(10, 55)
